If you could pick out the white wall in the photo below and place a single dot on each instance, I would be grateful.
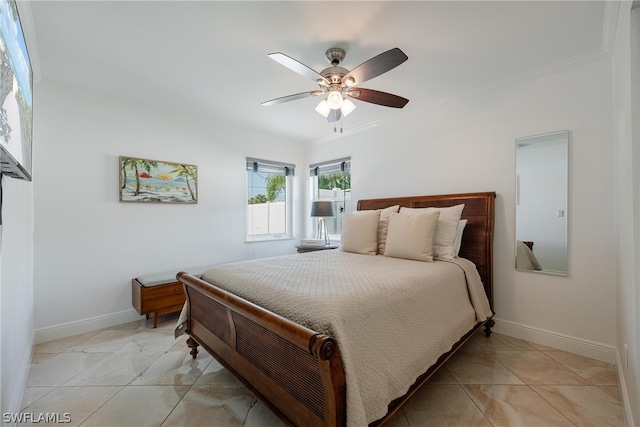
(88, 245)
(469, 145)
(16, 291)
(626, 90)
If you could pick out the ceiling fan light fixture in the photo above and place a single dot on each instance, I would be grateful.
(347, 107)
(323, 108)
(335, 100)
(350, 81)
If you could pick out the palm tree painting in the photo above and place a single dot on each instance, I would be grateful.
(143, 180)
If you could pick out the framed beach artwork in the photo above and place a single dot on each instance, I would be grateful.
(153, 181)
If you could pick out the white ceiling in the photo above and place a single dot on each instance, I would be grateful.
(209, 59)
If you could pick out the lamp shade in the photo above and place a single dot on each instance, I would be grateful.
(347, 107)
(323, 108)
(322, 209)
(334, 100)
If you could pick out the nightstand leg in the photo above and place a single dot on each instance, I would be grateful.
(155, 319)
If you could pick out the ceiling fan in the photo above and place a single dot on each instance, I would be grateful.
(340, 84)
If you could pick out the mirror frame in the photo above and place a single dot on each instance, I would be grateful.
(563, 211)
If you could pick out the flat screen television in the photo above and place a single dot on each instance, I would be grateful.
(16, 99)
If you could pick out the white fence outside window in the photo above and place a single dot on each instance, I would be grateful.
(266, 218)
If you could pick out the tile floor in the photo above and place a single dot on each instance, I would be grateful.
(134, 376)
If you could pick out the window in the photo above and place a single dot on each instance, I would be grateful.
(269, 201)
(332, 181)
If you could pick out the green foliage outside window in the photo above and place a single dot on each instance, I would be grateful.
(258, 199)
(275, 186)
(334, 180)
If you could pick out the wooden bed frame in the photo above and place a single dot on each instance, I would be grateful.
(294, 371)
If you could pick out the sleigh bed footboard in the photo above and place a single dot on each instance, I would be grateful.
(293, 370)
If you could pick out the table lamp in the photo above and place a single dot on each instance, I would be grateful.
(322, 209)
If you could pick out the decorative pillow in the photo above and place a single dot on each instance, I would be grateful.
(458, 240)
(411, 236)
(360, 232)
(383, 226)
(445, 230)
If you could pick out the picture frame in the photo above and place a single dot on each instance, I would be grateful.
(154, 181)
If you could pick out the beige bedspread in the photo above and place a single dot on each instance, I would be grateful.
(525, 259)
(392, 317)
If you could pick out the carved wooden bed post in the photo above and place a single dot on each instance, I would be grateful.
(193, 345)
(487, 327)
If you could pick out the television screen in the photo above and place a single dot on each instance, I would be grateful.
(16, 84)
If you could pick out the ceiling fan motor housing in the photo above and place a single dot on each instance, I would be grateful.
(334, 74)
(335, 55)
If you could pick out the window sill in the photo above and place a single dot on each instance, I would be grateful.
(268, 239)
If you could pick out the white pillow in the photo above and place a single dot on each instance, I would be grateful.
(360, 232)
(445, 229)
(383, 226)
(458, 240)
(411, 236)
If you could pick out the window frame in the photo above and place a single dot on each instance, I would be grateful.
(325, 168)
(254, 165)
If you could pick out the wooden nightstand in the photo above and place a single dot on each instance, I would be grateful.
(157, 297)
(303, 248)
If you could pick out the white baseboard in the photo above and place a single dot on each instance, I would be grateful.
(626, 406)
(69, 329)
(594, 350)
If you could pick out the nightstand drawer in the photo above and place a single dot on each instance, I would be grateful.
(162, 296)
(157, 298)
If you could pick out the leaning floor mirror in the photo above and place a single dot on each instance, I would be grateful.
(542, 186)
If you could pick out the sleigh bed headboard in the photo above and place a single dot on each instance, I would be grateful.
(477, 240)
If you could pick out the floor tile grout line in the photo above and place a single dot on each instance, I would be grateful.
(175, 406)
(99, 407)
(560, 411)
(508, 370)
(251, 405)
(557, 363)
(53, 388)
(464, 390)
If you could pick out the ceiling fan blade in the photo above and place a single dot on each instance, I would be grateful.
(291, 97)
(297, 66)
(375, 66)
(334, 115)
(377, 97)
